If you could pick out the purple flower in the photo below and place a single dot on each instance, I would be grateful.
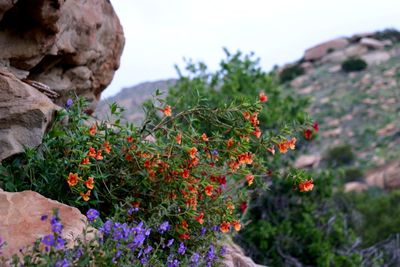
(56, 226)
(215, 152)
(164, 227)
(78, 253)
(92, 215)
(62, 263)
(182, 248)
(170, 242)
(60, 244)
(211, 253)
(48, 240)
(222, 251)
(148, 250)
(106, 228)
(203, 231)
(132, 210)
(195, 258)
(43, 217)
(69, 103)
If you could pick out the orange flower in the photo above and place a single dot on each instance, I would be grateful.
(262, 97)
(250, 179)
(254, 119)
(306, 185)
(245, 158)
(72, 179)
(246, 115)
(92, 152)
(167, 111)
(178, 138)
(184, 236)
(230, 207)
(257, 132)
(90, 183)
(208, 190)
(230, 143)
(204, 137)
(194, 162)
(107, 147)
(85, 196)
(85, 161)
(292, 143)
(271, 150)
(129, 139)
(192, 152)
(283, 147)
(185, 173)
(98, 155)
(236, 225)
(128, 157)
(200, 218)
(225, 227)
(92, 130)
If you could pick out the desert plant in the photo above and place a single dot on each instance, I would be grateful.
(340, 155)
(290, 72)
(354, 64)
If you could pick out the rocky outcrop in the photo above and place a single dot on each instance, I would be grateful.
(307, 161)
(21, 224)
(236, 258)
(317, 52)
(386, 176)
(68, 45)
(24, 115)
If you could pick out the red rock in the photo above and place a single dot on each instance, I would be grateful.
(319, 51)
(20, 219)
(307, 161)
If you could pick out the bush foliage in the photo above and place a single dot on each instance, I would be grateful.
(354, 64)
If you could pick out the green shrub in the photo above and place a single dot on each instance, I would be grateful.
(340, 155)
(354, 64)
(290, 72)
(388, 34)
(353, 174)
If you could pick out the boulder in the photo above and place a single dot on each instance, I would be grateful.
(307, 161)
(386, 176)
(236, 258)
(66, 45)
(372, 43)
(24, 115)
(21, 224)
(355, 187)
(376, 57)
(319, 51)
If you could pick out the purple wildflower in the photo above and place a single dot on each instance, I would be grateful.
(60, 244)
(132, 210)
(69, 103)
(182, 248)
(203, 231)
(211, 253)
(106, 228)
(223, 250)
(148, 250)
(48, 240)
(215, 152)
(164, 227)
(56, 226)
(62, 263)
(195, 259)
(43, 217)
(92, 215)
(170, 242)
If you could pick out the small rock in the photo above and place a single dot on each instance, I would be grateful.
(376, 57)
(334, 69)
(386, 176)
(372, 43)
(332, 133)
(236, 258)
(307, 90)
(299, 81)
(390, 72)
(355, 187)
(387, 130)
(355, 50)
(307, 161)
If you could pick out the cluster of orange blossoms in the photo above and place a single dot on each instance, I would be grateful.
(286, 144)
(307, 185)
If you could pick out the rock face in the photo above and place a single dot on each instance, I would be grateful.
(386, 176)
(67, 45)
(24, 115)
(236, 258)
(317, 52)
(20, 219)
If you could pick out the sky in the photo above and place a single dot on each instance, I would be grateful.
(160, 33)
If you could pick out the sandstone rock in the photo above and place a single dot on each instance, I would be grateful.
(307, 90)
(332, 133)
(390, 72)
(355, 50)
(386, 176)
(299, 81)
(317, 52)
(307, 66)
(334, 69)
(376, 57)
(67, 45)
(334, 57)
(358, 36)
(387, 130)
(372, 43)
(24, 115)
(20, 219)
(307, 161)
(355, 187)
(236, 258)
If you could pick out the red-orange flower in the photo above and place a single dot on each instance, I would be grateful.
(129, 139)
(254, 119)
(283, 147)
(225, 227)
(230, 143)
(92, 130)
(236, 225)
(208, 190)
(85, 161)
(243, 207)
(98, 155)
(167, 111)
(185, 174)
(262, 96)
(247, 115)
(107, 147)
(200, 218)
(306, 185)
(90, 183)
(184, 236)
(245, 158)
(204, 137)
(92, 152)
(85, 196)
(292, 143)
(308, 134)
(72, 179)
(316, 127)
(128, 157)
(257, 132)
(250, 179)
(178, 138)
(193, 152)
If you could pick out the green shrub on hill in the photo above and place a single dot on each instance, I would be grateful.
(354, 64)
(290, 72)
(340, 155)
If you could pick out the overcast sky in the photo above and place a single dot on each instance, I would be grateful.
(159, 33)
